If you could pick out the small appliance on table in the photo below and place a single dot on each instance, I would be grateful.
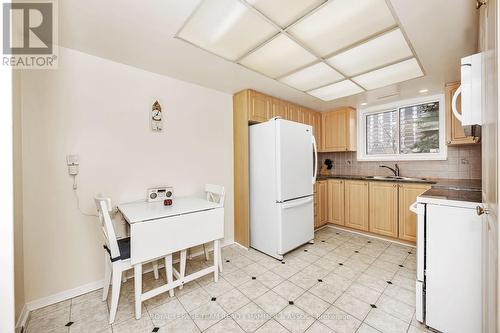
(449, 267)
(282, 175)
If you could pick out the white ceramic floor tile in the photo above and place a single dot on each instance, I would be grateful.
(272, 326)
(311, 304)
(401, 294)
(288, 290)
(250, 317)
(207, 315)
(238, 278)
(270, 279)
(361, 292)
(143, 325)
(340, 321)
(167, 312)
(364, 328)
(241, 261)
(271, 303)
(253, 289)
(51, 308)
(285, 270)
(294, 319)
(220, 287)
(353, 306)
(49, 321)
(303, 280)
(326, 292)
(339, 282)
(194, 299)
(374, 283)
(396, 308)
(385, 322)
(227, 325)
(318, 327)
(185, 325)
(254, 269)
(232, 300)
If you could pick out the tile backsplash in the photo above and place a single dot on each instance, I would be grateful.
(462, 163)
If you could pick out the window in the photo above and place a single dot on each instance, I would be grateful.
(406, 130)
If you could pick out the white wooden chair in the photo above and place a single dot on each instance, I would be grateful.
(217, 194)
(116, 255)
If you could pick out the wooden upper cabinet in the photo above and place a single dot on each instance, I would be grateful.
(260, 107)
(339, 130)
(322, 195)
(383, 208)
(306, 116)
(408, 194)
(294, 113)
(455, 134)
(279, 108)
(356, 204)
(336, 201)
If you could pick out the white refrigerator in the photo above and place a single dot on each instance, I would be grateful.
(283, 166)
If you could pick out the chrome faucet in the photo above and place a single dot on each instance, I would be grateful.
(395, 170)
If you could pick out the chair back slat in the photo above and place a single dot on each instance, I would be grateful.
(103, 205)
(215, 193)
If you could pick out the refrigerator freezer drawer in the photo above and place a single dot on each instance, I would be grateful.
(419, 290)
(296, 223)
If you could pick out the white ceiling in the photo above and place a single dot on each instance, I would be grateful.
(141, 34)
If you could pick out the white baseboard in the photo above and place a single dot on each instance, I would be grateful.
(80, 290)
(23, 317)
(64, 295)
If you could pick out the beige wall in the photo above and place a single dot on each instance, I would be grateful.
(100, 110)
(18, 194)
(462, 163)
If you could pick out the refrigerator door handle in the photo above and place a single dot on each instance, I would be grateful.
(296, 203)
(315, 148)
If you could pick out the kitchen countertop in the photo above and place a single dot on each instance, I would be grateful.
(369, 178)
(463, 195)
(465, 190)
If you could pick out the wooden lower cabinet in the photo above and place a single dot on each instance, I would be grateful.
(356, 204)
(408, 194)
(336, 201)
(322, 204)
(383, 208)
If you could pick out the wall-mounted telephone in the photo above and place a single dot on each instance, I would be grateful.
(73, 163)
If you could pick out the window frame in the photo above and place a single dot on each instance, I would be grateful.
(361, 131)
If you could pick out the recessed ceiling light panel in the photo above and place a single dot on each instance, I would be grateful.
(341, 23)
(383, 50)
(385, 76)
(227, 28)
(336, 90)
(278, 57)
(284, 12)
(312, 77)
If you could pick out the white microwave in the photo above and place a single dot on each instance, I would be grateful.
(471, 89)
